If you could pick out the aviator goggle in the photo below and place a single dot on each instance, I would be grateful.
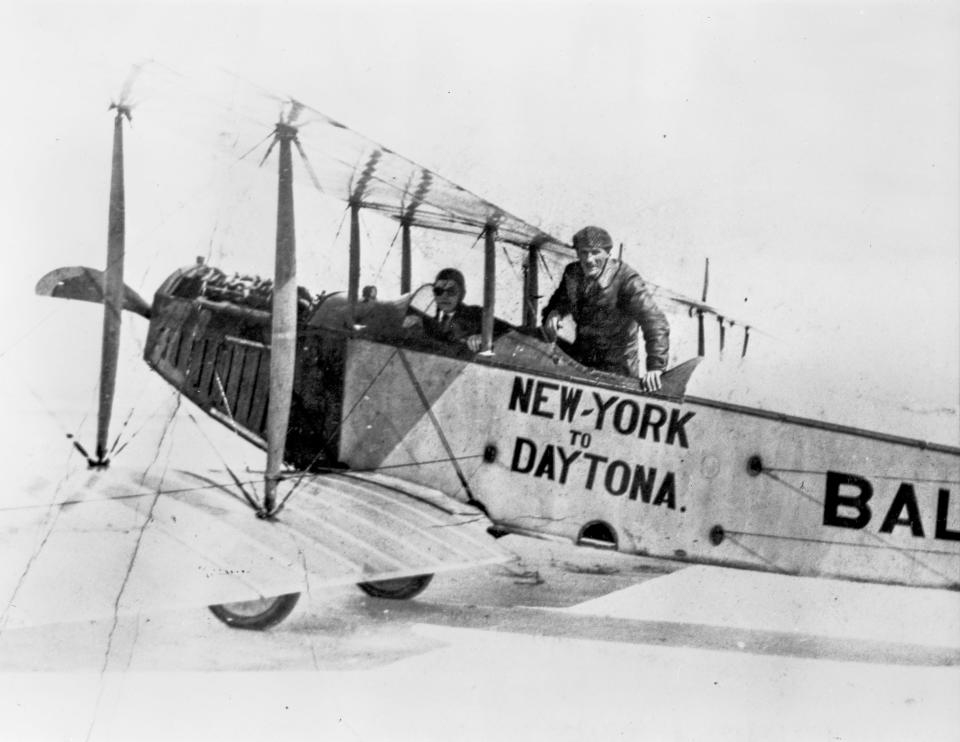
(449, 289)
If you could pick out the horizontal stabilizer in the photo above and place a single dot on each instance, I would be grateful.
(118, 542)
(86, 284)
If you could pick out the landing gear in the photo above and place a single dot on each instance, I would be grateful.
(256, 614)
(401, 588)
(265, 613)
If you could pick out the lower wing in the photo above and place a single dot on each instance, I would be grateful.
(111, 542)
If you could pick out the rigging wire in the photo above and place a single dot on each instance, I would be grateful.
(309, 167)
(225, 486)
(337, 427)
(383, 263)
(254, 148)
(545, 264)
(250, 499)
(479, 237)
(70, 436)
(343, 218)
(123, 427)
(772, 565)
(28, 332)
(893, 477)
(828, 542)
(868, 534)
(367, 143)
(440, 432)
(366, 231)
(510, 262)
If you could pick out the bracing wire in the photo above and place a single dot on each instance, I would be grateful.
(386, 256)
(828, 542)
(772, 565)
(880, 541)
(506, 254)
(250, 499)
(343, 219)
(546, 265)
(339, 425)
(893, 477)
(366, 231)
(226, 485)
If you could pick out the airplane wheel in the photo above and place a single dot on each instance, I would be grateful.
(402, 588)
(256, 614)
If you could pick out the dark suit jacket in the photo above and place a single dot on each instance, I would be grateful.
(466, 321)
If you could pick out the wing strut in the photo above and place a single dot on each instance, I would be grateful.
(353, 284)
(284, 323)
(531, 288)
(701, 341)
(489, 287)
(405, 258)
(113, 291)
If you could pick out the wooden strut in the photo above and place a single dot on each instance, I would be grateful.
(112, 292)
(353, 282)
(283, 323)
(531, 289)
(489, 288)
(405, 258)
(701, 340)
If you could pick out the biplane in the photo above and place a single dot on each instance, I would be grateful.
(391, 456)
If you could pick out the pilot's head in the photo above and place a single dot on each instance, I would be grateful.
(593, 246)
(449, 288)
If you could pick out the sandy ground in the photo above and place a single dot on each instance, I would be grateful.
(560, 644)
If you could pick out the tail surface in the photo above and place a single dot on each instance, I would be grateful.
(86, 284)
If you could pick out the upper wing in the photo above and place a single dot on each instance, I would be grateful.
(344, 164)
(353, 168)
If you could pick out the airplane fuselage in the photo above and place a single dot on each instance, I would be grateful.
(551, 448)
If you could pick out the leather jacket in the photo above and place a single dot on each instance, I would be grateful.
(608, 312)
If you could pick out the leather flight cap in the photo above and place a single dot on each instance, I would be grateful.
(592, 237)
(452, 274)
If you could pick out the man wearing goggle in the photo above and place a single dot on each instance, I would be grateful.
(454, 321)
(609, 301)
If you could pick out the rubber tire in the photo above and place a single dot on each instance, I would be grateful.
(401, 588)
(277, 609)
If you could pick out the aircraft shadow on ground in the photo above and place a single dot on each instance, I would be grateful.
(561, 624)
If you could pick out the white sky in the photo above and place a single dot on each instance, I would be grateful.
(809, 149)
